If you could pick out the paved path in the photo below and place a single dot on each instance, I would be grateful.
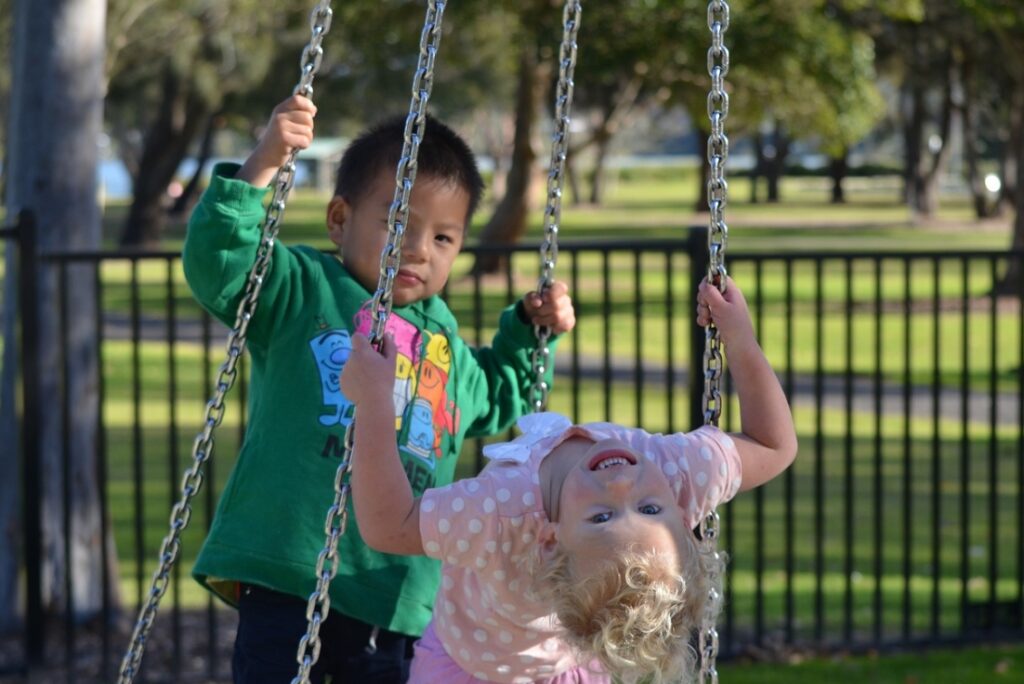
(833, 392)
(833, 387)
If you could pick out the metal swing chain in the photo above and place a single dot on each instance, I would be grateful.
(398, 214)
(718, 191)
(202, 446)
(552, 213)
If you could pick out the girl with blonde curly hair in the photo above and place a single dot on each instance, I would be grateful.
(571, 557)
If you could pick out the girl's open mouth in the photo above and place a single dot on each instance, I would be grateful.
(611, 459)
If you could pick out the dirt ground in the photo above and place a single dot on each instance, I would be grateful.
(200, 655)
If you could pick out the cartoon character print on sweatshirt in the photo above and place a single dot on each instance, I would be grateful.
(437, 366)
(331, 350)
(421, 377)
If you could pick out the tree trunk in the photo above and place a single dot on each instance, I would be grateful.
(837, 170)
(573, 179)
(11, 521)
(705, 171)
(508, 222)
(775, 165)
(928, 197)
(969, 124)
(1010, 284)
(755, 173)
(913, 133)
(572, 174)
(615, 113)
(55, 122)
(181, 114)
(603, 143)
(190, 193)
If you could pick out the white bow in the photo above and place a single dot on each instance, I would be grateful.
(535, 427)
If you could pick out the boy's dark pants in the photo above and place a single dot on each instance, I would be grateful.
(270, 625)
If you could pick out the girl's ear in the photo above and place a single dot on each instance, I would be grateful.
(547, 540)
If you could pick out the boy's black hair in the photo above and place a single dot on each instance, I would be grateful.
(443, 155)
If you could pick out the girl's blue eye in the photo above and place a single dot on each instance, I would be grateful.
(650, 509)
(600, 518)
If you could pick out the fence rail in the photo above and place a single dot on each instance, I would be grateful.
(899, 525)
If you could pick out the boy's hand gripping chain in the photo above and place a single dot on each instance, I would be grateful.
(553, 212)
(398, 214)
(202, 447)
(718, 190)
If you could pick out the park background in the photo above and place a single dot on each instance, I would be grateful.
(873, 208)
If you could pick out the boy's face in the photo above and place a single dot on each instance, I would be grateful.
(433, 236)
(615, 499)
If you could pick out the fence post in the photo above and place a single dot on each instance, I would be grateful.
(28, 256)
(697, 248)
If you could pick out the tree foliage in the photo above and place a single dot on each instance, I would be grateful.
(1000, 32)
(171, 67)
(804, 67)
(175, 67)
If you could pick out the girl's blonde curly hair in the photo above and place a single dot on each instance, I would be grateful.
(636, 614)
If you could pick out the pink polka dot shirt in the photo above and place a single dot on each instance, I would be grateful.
(482, 528)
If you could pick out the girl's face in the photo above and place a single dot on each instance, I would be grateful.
(615, 499)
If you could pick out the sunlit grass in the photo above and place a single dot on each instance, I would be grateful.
(985, 665)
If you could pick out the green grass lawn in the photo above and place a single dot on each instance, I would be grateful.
(859, 303)
(643, 204)
(988, 665)
(659, 203)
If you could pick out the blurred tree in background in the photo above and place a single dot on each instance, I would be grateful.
(802, 71)
(998, 71)
(55, 117)
(171, 65)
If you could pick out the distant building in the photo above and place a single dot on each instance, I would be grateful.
(321, 161)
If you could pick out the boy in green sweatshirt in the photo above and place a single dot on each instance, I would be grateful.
(261, 551)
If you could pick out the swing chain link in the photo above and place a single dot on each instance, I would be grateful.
(398, 214)
(552, 213)
(313, 54)
(708, 639)
(405, 175)
(718, 192)
(202, 446)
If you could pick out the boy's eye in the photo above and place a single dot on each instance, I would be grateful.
(650, 509)
(444, 238)
(600, 517)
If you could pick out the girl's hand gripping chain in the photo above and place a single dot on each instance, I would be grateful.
(387, 511)
(767, 443)
(729, 312)
(368, 378)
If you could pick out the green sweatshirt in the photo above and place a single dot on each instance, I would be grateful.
(269, 524)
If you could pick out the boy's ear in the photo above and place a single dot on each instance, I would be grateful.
(547, 540)
(339, 211)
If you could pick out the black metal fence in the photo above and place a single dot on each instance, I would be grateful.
(899, 525)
